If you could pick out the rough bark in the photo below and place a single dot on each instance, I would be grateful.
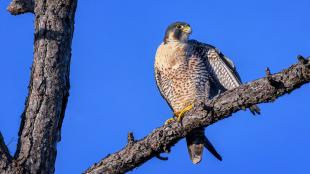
(266, 89)
(5, 157)
(48, 92)
(21, 6)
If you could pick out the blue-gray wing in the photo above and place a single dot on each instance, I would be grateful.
(222, 69)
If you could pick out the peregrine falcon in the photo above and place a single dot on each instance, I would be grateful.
(188, 71)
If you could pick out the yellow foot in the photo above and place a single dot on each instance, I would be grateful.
(181, 113)
(169, 121)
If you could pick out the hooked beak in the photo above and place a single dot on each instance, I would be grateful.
(187, 29)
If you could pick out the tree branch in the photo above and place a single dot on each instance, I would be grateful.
(17, 7)
(203, 115)
(5, 157)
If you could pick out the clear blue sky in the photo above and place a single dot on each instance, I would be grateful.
(113, 89)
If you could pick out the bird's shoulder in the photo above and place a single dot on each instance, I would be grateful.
(213, 54)
(204, 49)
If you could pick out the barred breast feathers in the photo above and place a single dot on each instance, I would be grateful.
(172, 75)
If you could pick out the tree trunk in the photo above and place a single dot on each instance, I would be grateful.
(48, 88)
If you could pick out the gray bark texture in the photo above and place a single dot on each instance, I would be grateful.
(263, 90)
(21, 6)
(49, 86)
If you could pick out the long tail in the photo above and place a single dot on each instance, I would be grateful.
(196, 141)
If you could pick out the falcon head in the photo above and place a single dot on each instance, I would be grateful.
(177, 32)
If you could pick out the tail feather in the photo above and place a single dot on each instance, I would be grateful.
(195, 144)
(196, 141)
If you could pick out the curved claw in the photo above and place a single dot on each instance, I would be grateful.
(181, 113)
(169, 121)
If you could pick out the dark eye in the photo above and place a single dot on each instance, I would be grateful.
(179, 26)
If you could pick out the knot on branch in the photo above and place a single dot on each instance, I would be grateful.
(161, 158)
(271, 81)
(211, 111)
(302, 60)
(166, 149)
(305, 66)
(130, 139)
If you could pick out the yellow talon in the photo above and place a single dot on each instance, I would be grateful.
(181, 113)
(169, 121)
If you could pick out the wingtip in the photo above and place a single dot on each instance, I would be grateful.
(211, 149)
(219, 158)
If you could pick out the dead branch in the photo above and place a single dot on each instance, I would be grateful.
(203, 115)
